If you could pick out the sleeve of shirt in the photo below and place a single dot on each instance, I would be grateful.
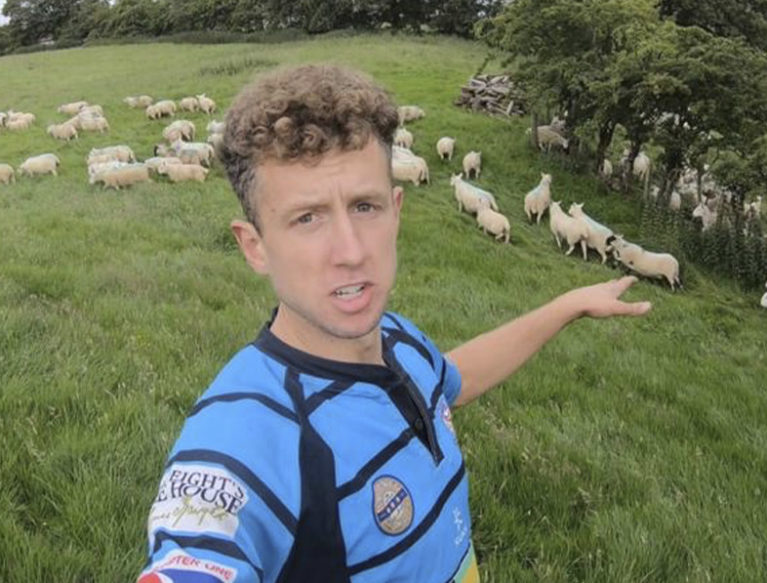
(220, 515)
(449, 375)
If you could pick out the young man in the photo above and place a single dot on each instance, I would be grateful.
(324, 451)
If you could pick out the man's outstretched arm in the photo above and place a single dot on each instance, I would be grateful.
(490, 358)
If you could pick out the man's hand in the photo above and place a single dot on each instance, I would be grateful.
(602, 299)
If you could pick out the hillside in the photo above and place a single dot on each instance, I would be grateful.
(627, 450)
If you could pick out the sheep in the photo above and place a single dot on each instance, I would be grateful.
(192, 152)
(180, 129)
(548, 137)
(472, 161)
(91, 111)
(558, 124)
(120, 153)
(123, 176)
(470, 197)
(598, 235)
(189, 104)
(641, 167)
(409, 113)
(763, 301)
(409, 169)
(20, 122)
(538, 199)
(99, 124)
(154, 162)
(445, 147)
(216, 127)
(647, 263)
(64, 131)
(72, 108)
(606, 169)
(207, 105)
(565, 227)
(97, 168)
(704, 212)
(42, 164)
(215, 140)
(6, 174)
(493, 222)
(136, 101)
(160, 109)
(132, 102)
(183, 172)
(403, 138)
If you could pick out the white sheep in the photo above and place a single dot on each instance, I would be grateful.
(409, 113)
(565, 227)
(704, 212)
(164, 108)
(598, 234)
(445, 147)
(215, 140)
(154, 162)
(472, 162)
(124, 176)
(20, 121)
(91, 111)
(189, 104)
(7, 174)
(494, 223)
(72, 108)
(142, 101)
(409, 170)
(606, 169)
(641, 167)
(98, 168)
(216, 127)
(96, 124)
(538, 199)
(63, 131)
(206, 104)
(647, 263)
(403, 138)
(548, 137)
(469, 197)
(192, 152)
(41, 164)
(120, 153)
(181, 129)
(183, 172)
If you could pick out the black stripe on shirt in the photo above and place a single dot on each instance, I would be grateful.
(374, 464)
(243, 472)
(417, 532)
(405, 338)
(230, 397)
(222, 547)
(318, 398)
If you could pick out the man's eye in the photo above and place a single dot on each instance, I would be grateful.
(305, 219)
(364, 207)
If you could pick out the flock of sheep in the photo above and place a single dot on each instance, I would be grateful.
(181, 159)
(574, 227)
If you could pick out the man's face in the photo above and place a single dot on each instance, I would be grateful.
(327, 241)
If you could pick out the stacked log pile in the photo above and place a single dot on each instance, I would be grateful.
(494, 94)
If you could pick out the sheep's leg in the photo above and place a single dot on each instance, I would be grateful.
(570, 250)
(583, 248)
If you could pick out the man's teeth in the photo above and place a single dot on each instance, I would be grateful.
(349, 290)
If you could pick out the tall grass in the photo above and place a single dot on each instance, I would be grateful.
(628, 450)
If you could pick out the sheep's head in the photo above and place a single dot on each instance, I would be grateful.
(456, 178)
(545, 178)
(575, 210)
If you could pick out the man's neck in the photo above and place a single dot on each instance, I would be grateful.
(297, 332)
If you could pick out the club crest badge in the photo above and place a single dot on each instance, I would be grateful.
(392, 505)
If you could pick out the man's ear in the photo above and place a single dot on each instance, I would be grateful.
(398, 193)
(251, 244)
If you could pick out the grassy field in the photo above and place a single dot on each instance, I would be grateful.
(627, 450)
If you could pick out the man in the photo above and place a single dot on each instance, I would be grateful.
(324, 451)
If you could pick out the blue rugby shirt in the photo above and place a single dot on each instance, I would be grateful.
(295, 468)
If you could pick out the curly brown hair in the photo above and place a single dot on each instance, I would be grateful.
(300, 114)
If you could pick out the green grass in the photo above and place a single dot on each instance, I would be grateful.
(628, 450)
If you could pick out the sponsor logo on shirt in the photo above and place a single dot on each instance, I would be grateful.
(392, 505)
(178, 567)
(197, 498)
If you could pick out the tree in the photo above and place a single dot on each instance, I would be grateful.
(458, 16)
(31, 21)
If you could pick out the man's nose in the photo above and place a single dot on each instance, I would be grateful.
(346, 242)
